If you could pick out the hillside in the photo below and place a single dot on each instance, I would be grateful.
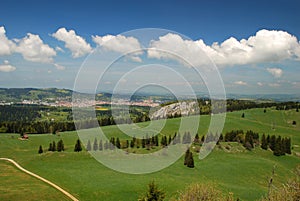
(230, 166)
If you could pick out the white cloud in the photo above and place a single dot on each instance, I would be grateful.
(59, 67)
(33, 49)
(76, 44)
(6, 67)
(276, 72)
(59, 49)
(274, 84)
(121, 44)
(265, 46)
(241, 83)
(260, 84)
(6, 46)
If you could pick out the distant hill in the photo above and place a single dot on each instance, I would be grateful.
(19, 94)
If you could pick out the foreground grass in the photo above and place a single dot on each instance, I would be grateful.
(245, 173)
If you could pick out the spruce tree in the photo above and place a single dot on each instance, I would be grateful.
(186, 156)
(277, 147)
(170, 140)
(288, 146)
(88, 146)
(50, 147)
(143, 142)
(95, 145)
(100, 145)
(272, 142)
(153, 193)
(190, 161)
(118, 144)
(60, 146)
(243, 115)
(53, 146)
(131, 143)
(40, 149)
(156, 140)
(264, 144)
(78, 147)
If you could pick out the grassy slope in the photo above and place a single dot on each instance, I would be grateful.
(244, 173)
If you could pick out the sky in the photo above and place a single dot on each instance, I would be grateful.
(253, 45)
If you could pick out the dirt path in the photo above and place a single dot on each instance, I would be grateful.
(40, 178)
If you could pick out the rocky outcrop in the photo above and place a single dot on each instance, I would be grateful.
(183, 108)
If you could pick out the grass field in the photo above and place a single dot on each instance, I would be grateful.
(245, 173)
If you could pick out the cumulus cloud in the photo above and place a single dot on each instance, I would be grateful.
(34, 49)
(59, 67)
(276, 72)
(76, 44)
(265, 46)
(260, 84)
(6, 46)
(6, 67)
(241, 83)
(121, 44)
(59, 49)
(274, 84)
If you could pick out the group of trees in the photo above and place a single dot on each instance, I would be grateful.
(249, 139)
(280, 146)
(59, 146)
(146, 142)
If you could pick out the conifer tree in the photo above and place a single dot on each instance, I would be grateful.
(118, 144)
(40, 149)
(100, 145)
(88, 146)
(78, 147)
(95, 145)
(153, 193)
(186, 157)
(264, 144)
(53, 146)
(288, 146)
(50, 147)
(60, 146)
(190, 161)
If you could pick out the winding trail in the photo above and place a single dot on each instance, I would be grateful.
(40, 178)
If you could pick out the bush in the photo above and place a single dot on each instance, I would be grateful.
(153, 194)
(201, 192)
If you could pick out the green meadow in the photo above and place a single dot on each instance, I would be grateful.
(231, 169)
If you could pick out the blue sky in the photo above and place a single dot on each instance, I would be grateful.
(38, 52)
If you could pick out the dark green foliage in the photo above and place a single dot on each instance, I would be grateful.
(170, 139)
(188, 159)
(131, 143)
(50, 147)
(272, 142)
(277, 148)
(265, 110)
(143, 143)
(294, 123)
(40, 149)
(95, 145)
(156, 141)
(187, 152)
(288, 145)
(243, 115)
(106, 145)
(118, 144)
(88, 146)
(53, 146)
(100, 145)
(78, 147)
(153, 193)
(60, 146)
(264, 143)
